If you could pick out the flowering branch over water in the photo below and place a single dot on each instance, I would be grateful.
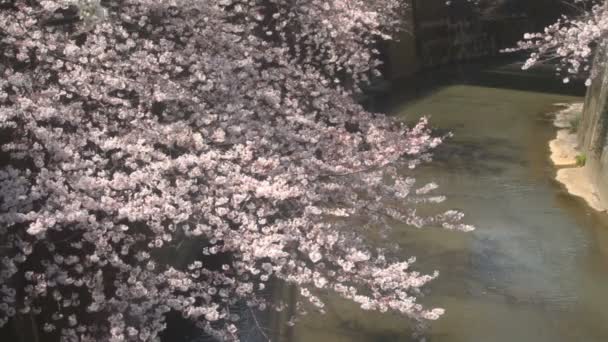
(570, 42)
(131, 127)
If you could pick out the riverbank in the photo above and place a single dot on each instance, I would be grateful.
(565, 154)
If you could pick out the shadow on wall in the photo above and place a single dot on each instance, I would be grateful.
(438, 34)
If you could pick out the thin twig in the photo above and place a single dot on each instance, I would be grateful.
(257, 324)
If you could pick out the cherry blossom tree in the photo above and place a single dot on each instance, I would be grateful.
(570, 42)
(131, 128)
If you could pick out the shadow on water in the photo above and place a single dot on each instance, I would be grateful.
(465, 155)
(503, 73)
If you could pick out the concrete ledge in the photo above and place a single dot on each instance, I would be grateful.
(578, 183)
(564, 150)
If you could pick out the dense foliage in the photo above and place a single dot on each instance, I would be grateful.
(130, 127)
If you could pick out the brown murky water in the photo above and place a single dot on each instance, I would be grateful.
(536, 268)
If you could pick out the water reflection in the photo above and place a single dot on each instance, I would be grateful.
(537, 267)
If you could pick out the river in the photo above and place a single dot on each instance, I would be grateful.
(536, 267)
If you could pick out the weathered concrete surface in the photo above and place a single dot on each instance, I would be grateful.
(564, 150)
(593, 130)
(577, 181)
(437, 34)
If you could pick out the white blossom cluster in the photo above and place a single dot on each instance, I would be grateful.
(570, 42)
(131, 128)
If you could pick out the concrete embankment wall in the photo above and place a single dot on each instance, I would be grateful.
(593, 130)
(438, 34)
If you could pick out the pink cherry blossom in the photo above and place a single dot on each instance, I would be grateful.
(144, 141)
(570, 43)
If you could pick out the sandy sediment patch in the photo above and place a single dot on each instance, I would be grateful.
(564, 150)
